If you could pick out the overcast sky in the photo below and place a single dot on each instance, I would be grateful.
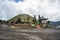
(47, 8)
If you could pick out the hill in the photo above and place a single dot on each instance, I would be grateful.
(23, 18)
(55, 24)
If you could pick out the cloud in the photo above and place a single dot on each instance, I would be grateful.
(47, 8)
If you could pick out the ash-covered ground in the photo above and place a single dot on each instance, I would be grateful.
(7, 33)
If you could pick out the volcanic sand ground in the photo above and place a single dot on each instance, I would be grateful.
(28, 34)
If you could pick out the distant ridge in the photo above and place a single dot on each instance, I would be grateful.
(57, 23)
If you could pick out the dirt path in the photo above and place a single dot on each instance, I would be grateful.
(19, 36)
(31, 37)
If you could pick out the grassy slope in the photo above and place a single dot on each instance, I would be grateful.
(22, 16)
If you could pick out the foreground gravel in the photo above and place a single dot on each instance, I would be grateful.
(29, 34)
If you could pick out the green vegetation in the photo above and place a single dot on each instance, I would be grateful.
(23, 18)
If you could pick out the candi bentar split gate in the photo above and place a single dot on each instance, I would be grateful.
(40, 23)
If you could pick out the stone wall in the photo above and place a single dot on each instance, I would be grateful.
(23, 25)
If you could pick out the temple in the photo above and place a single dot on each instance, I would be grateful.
(27, 21)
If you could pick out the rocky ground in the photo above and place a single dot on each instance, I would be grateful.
(28, 34)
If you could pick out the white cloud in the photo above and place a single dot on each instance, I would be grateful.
(46, 8)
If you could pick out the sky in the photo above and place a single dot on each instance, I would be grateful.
(48, 8)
